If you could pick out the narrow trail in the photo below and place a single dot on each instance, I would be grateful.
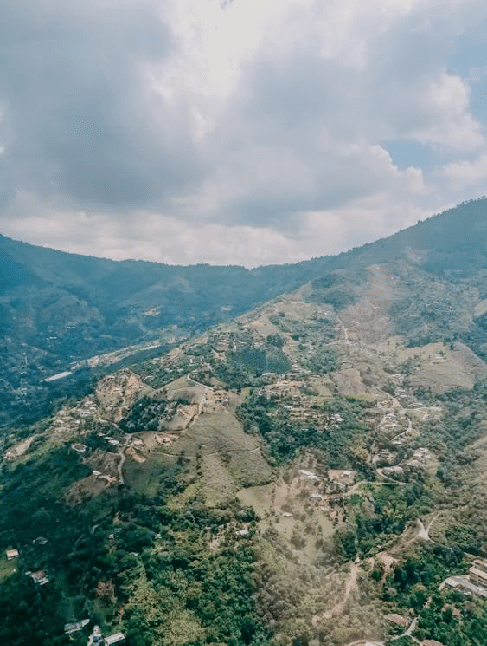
(121, 453)
(409, 632)
(430, 524)
(408, 431)
(339, 607)
(412, 626)
(353, 489)
(345, 331)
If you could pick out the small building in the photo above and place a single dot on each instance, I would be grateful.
(75, 626)
(117, 638)
(241, 532)
(477, 576)
(12, 554)
(39, 577)
(96, 637)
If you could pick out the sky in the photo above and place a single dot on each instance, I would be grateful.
(237, 131)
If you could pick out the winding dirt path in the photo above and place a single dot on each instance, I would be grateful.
(121, 453)
(345, 331)
(338, 609)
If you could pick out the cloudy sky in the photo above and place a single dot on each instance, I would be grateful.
(237, 131)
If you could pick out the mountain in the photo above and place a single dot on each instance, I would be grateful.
(309, 472)
(59, 309)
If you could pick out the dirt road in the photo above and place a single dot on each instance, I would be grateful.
(337, 609)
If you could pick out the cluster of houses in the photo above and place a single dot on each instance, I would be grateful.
(301, 407)
(474, 583)
(40, 578)
(88, 409)
(115, 392)
(96, 638)
(332, 489)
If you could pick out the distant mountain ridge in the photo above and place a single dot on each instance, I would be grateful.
(57, 308)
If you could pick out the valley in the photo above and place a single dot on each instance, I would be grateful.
(311, 471)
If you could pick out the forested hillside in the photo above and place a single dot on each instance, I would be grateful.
(309, 472)
(57, 309)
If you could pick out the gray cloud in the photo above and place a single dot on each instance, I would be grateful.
(111, 108)
(81, 122)
(303, 132)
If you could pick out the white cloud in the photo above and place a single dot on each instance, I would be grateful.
(184, 131)
(149, 236)
(451, 124)
(468, 173)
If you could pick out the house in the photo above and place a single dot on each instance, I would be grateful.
(465, 585)
(95, 638)
(308, 474)
(117, 638)
(241, 532)
(395, 470)
(477, 576)
(75, 626)
(41, 540)
(12, 554)
(39, 577)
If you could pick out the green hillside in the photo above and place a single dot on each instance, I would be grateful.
(309, 472)
(57, 309)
